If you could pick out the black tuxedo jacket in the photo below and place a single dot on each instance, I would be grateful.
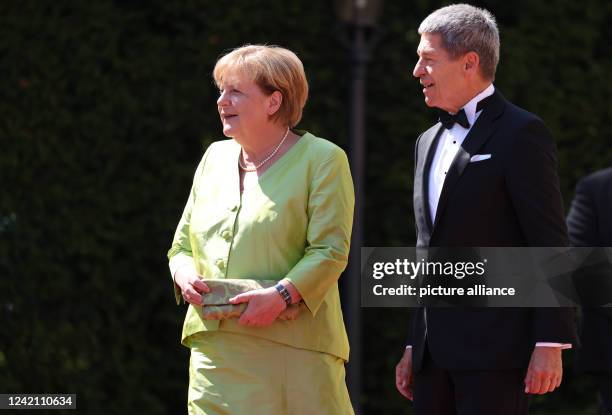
(590, 224)
(511, 199)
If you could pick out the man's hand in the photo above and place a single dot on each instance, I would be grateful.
(264, 306)
(190, 284)
(403, 374)
(545, 370)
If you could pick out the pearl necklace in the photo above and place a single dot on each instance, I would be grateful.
(264, 161)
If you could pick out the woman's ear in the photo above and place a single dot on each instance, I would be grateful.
(274, 102)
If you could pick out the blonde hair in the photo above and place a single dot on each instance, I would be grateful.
(272, 68)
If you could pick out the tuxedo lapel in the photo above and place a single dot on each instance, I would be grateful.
(425, 153)
(480, 133)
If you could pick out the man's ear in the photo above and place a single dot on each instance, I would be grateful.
(274, 102)
(471, 62)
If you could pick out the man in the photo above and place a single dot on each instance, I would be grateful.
(590, 225)
(485, 176)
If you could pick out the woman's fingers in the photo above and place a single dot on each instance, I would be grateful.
(192, 296)
(192, 290)
(200, 285)
(241, 298)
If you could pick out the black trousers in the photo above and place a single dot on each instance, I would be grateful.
(442, 392)
(605, 393)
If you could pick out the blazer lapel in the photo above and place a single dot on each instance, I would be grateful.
(232, 177)
(425, 152)
(482, 130)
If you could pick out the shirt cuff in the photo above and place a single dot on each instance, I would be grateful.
(563, 346)
(409, 346)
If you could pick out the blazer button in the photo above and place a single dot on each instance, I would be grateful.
(221, 264)
(227, 235)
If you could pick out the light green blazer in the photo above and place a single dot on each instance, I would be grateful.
(294, 223)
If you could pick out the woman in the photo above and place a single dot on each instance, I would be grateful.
(271, 203)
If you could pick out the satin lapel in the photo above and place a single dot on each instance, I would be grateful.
(428, 144)
(480, 133)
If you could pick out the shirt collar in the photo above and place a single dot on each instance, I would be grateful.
(470, 107)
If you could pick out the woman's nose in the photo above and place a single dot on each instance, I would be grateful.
(222, 100)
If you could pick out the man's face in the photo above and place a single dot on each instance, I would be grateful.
(442, 77)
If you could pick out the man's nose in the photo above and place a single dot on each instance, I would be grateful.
(418, 69)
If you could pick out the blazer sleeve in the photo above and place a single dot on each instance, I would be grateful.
(582, 218)
(180, 253)
(331, 201)
(531, 177)
(583, 227)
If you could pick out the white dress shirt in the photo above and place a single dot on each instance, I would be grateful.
(448, 145)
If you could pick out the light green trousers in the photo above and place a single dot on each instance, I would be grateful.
(239, 374)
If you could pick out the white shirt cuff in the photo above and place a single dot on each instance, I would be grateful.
(563, 346)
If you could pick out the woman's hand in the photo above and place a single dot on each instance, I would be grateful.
(190, 284)
(264, 306)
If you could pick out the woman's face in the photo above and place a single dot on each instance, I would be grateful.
(242, 106)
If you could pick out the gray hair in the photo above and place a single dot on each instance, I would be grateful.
(466, 28)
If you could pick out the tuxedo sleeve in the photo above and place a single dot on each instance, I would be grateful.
(412, 310)
(531, 176)
(409, 335)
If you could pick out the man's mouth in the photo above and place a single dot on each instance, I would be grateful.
(426, 86)
(228, 116)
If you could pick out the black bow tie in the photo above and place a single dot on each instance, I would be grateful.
(448, 120)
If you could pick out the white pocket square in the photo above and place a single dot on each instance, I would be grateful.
(480, 157)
